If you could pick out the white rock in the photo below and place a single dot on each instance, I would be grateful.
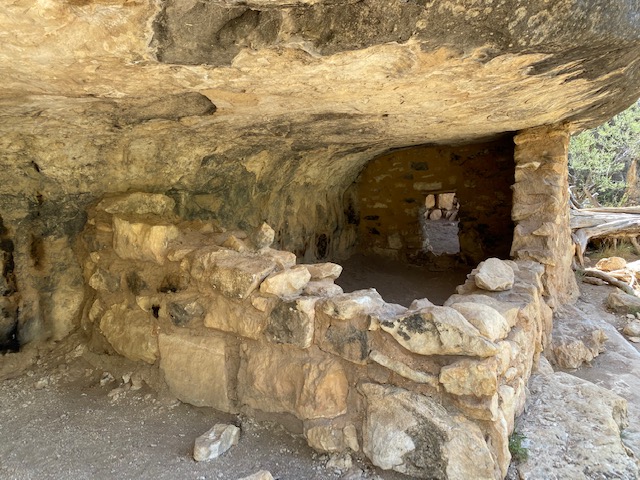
(420, 303)
(349, 305)
(321, 271)
(486, 319)
(494, 275)
(261, 475)
(438, 331)
(264, 236)
(632, 329)
(287, 282)
(215, 442)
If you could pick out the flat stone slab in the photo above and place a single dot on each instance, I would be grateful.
(572, 429)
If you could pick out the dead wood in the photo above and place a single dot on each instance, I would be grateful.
(592, 272)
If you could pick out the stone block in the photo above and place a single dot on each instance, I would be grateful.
(494, 275)
(486, 319)
(287, 282)
(415, 435)
(195, 369)
(141, 241)
(438, 331)
(470, 377)
(131, 333)
(236, 316)
(282, 258)
(104, 281)
(334, 436)
(350, 305)
(231, 273)
(293, 322)
(184, 311)
(285, 379)
(138, 203)
(509, 310)
(322, 271)
(215, 442)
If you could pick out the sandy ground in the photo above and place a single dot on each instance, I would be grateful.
(400, 283)
(59, 421)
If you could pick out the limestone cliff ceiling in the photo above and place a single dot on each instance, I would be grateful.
(100, 95)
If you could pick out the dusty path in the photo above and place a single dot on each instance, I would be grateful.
(618, 368)
(58, 422)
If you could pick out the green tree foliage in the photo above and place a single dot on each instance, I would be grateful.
(599, 159)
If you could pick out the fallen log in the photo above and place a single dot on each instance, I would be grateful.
(592, 272)
(604, 223)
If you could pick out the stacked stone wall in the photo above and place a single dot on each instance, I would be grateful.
(392, 189)
(541, 209)
(237, 325)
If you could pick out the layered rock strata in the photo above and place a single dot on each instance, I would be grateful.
(242, 328)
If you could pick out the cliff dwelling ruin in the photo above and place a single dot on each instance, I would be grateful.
(183, 179)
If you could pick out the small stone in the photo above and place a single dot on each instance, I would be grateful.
(420, 303)
(340, 462)
(282, 258)
(264, 236)
(286, 283)
(634, 339)
(261, 475)
(611, 263)
(630, 316)
(430, 201)
(435, 214)
(632, 329)
(494, 275)
(215, 442)
(106, 378)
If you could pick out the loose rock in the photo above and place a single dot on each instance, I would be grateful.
(215, 442)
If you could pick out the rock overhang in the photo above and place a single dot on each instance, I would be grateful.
(258, 102)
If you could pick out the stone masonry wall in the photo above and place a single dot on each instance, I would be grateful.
(541, 209)
(239, 326)
(391, 193)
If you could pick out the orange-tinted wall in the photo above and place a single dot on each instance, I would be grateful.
(391, 191)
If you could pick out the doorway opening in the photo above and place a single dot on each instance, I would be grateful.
(439, 224)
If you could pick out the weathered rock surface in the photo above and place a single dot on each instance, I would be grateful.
(632, 328)
(195, 369)
(413, 434)
(286, 283)
(494, 275)
(621, 302)
(575, 339)
(561, 443)
(215, 442)
(260, 475)
(132, 334)
(611, 263)
(438, 331)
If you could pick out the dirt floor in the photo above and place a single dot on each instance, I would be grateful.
(67, 413)
(398, 282)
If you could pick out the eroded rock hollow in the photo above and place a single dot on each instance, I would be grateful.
(180, 177)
